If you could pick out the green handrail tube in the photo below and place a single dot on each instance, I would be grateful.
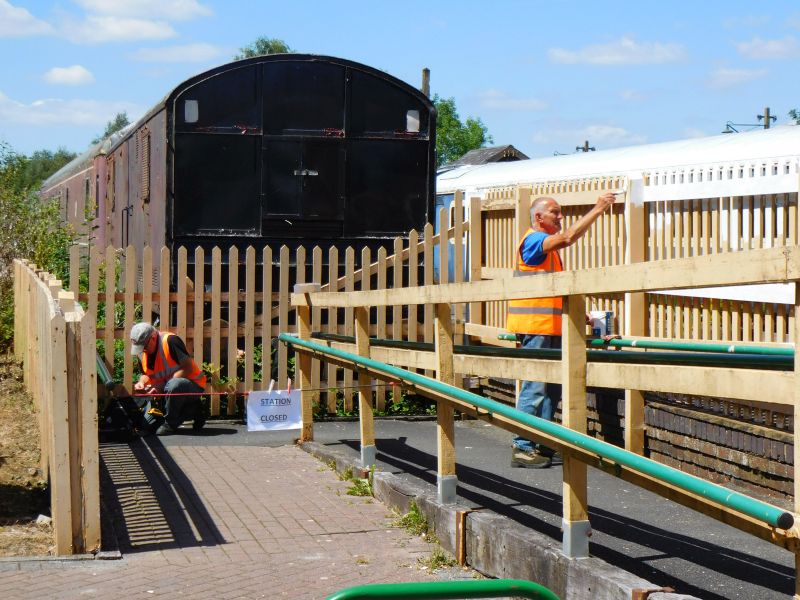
(710, 359)
(756, 509)
(443, 590)
(692, 347)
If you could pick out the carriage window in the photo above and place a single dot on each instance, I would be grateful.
(191, 111)
(412, 121)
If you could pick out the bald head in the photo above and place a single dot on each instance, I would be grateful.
(545, 215)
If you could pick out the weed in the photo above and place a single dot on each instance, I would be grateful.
(413, 521)
(438, 559)
(362, 560)
(362, 487)
(347, 474)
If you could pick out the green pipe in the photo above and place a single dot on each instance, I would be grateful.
(756, 509)
(442, 590)
(708, 359)
(690, 346)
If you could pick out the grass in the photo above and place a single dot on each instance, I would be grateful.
(437, 560)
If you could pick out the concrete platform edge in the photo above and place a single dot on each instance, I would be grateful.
(498, 547)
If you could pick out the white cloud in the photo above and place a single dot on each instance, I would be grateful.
(74, 75)
(603, 136)
(96, 30)
(173, 10)
(787, 47)
(186, 53)
(625, 51)
(18, 22)
(725, 78)
(55, 111)
(494, 99)
(794, 20)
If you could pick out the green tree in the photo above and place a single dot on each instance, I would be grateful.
(263, 46)
(454, 138)
(119, 121)
(30, 229)
(41, 164)
(795, 114)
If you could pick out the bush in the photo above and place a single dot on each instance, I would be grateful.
(31, 230)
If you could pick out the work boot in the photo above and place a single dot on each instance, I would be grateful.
(165, 429)
(529, 460)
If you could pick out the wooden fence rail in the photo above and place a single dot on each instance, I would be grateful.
(55, 341)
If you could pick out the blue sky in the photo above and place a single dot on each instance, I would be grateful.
(544, 76)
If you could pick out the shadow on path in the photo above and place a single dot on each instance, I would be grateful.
(149, 501)
(508, 497)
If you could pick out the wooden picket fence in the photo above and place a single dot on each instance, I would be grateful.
(55, 341)
(654, 232)
(229, 320)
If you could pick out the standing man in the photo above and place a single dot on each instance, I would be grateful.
(168, 369)
(537, 321)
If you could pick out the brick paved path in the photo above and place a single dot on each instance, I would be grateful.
(227, 522)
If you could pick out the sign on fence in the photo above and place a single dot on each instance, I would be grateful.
(270, 410)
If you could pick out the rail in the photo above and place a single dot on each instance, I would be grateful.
(444, 590)
(589, 448)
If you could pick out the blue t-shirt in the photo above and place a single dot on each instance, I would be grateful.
(532, 252)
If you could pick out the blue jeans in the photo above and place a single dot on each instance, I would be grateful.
(536, 397)
(173, 406)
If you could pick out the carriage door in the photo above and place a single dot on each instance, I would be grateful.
(303, 154)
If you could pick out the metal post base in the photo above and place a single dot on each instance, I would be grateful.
(576, 538)
(446, 486)
(368, 456)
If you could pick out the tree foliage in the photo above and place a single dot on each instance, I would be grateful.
(454, 138)
(29, 229)
(795, 114)
(263, 46)
(119, 121)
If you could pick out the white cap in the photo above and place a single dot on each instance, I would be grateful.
(140, 333)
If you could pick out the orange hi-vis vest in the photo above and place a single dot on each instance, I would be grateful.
(538, 316)
(164, 366)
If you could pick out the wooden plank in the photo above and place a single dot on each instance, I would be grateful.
(60, 471)
(475, 240)
(349, 286)
(316, 320)
(458, 253)
(89, 459)
(147, 284)
(266, 320)
(397, 283)
(198, 340)
(774, 265)
(413, 281)
(130, 288)
(108, 338)
(333, 327)
(74, 269)
(380, 322)
(427, 261)
(573, 398)
(303, 360)
(283, 317)
(233, 323)
(365, 407)
(181, 324)
(216, 309)
(249, 316)
(164, 313)
(445, 425)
